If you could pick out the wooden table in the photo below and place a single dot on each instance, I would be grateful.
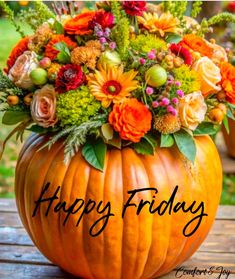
(19, 258)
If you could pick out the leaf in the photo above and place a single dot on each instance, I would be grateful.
(107, 131)
(58, 27)
(167, 140)
(206, 128)
(37, 129)
(173, 38)
(64, 53)
(14, 117)
(151, 139)
(144, 147)
(186, 144)
(230, 113)
(226, 125)
(94, 153)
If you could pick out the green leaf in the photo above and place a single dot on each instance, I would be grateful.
(58, 27)
(64, 53)
(173, 38)
(14, 117)
(186, 144)
(151, 140)
(167, 140)
(107, 131)
(94, 153)
(144, 147)
(226, 125)
(230, 113)
(206, 128)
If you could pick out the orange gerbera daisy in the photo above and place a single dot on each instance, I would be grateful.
(228, 81)
(197, 44)
(50, 50)
(112, 85)
(21, 47)
(162, 24)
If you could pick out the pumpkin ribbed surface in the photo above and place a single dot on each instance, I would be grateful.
(137, 246)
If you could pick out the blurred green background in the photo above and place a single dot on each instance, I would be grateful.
(8, 38)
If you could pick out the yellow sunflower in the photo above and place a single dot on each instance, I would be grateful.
(112, 85)
(165, 23)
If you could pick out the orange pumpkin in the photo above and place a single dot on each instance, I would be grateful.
(230, 138)
(143, 246)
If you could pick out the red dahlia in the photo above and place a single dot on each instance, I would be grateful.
(104, 19)
(182, 52)
(69, 77)
(231, 7)
(134, 8)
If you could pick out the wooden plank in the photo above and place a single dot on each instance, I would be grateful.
(10, 219)
(22, 254)
(24, 271)
(224, 227)
(226, 212)
(14, 236)
(8, 205)
(219, 244)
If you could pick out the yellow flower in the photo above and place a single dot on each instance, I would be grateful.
(112, 85)
(164, 23)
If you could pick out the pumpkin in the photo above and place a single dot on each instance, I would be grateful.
(230, 138)
(137, 246)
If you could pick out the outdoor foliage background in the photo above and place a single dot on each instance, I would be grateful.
(8, 38)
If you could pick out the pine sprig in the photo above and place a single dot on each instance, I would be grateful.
(77, 135)
(6, 85)
(10, 14)
(196, 9)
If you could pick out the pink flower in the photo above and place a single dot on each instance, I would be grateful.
(142, 61)
(149, 90)
(155, 104)
(43, 106)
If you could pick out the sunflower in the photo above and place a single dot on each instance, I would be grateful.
(112, 85)
(162, 24)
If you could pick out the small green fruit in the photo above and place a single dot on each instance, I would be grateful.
(39, 76)
(110, 59)
(156, 76)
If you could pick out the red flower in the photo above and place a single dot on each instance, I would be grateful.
(104, 19)
(231, 7)
(182, 52)
(134, 8)
(69, 77)
(19, 49)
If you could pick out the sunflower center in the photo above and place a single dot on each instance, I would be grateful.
(112, 87)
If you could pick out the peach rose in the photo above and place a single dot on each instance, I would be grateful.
(209, 74)
(43, 106)
(219, 54)
(192, 110)
(20, 71)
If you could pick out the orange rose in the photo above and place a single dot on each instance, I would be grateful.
(219, 54)
(79, 25)
(131, 119)
(197, 44)
(228, 81)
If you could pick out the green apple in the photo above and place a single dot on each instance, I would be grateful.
(156, 76)
(38, 76)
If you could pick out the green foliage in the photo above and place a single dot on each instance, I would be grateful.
(10, 14)
(186, 144)
(167, 140)
(188, 78)
(64, 53)
(145, 43)
(206, 128)
(76, 106)
(14, 117)
(176, 8)
(196, 8)
(43, 12)
(8, 86)
(228, 190)
(94, 152)
(146, 146)
(120, 32)
(222, 17)
(173, 38)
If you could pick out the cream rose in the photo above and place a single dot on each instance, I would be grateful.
(219, 53)
(209, 74)
(43, 106)
(20, 71)
(192, 110)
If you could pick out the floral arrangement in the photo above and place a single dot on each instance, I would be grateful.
(125, 74)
